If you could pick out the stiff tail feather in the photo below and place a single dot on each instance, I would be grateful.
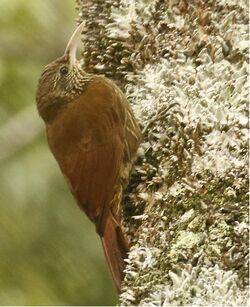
(116, 247)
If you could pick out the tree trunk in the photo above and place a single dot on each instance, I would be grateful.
(183, 66)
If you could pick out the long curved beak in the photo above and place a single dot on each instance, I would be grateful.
(71, 48)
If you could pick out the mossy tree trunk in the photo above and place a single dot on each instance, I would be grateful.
(184, 64)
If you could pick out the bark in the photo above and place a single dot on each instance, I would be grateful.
(184, 65)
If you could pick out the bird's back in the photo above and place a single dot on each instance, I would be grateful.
(92, 139)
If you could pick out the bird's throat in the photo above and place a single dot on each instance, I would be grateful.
(51, 109)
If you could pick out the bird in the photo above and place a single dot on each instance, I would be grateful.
(94, 136)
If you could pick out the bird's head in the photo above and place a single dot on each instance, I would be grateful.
(62, 80)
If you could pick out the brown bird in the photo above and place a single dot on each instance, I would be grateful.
(93, 134)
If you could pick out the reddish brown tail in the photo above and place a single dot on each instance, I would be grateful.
(116, 248)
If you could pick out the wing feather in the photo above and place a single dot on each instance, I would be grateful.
(92, 166)
(88, 140)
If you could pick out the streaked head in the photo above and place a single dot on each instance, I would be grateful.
(62, 80)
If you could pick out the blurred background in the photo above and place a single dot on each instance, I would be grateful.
(49, 251)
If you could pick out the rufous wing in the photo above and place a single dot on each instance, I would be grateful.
(92, 171)
(93, 175)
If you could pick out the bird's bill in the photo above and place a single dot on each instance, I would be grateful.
(73, 43)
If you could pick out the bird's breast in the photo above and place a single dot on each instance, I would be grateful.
(97, 114)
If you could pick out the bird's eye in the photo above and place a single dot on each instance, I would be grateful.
(64, 70)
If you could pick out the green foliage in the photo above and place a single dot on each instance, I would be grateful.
(50, 253)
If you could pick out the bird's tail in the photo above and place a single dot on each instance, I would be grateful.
(116, 247)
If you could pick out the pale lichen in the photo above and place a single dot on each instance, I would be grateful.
(185, 64)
